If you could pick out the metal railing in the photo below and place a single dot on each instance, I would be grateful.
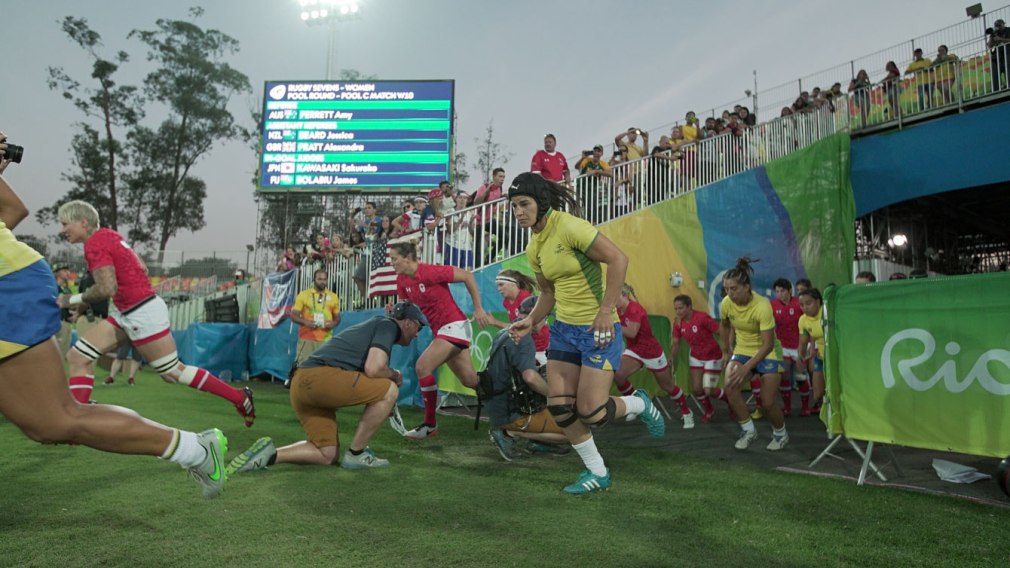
(941, 87)
(966, 36)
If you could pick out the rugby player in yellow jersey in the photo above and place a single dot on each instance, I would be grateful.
(34, 394)
(566, 254)
(749, 318)
(811, 329)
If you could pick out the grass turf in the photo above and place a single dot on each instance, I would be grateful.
(451, 501)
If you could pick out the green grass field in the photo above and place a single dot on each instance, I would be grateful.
(452, 501)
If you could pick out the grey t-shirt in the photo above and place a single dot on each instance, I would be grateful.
(348, 349)
(523, 357)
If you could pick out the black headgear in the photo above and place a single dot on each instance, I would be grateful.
(407, 310)
(535, 186)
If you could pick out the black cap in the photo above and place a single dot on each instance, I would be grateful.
(526, 307)
(407, 310)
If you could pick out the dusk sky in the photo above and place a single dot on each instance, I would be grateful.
(582, 70)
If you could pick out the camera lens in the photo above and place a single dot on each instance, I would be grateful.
(14, 153)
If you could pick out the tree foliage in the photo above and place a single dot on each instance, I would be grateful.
(490, 154)
(113, 105)
(195, 83)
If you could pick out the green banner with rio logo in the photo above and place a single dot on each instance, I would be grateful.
(922, 363)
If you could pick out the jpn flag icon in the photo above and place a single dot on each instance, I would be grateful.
(287, 167)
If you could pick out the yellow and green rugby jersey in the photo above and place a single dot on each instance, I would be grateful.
(559, 254)
(14, 255)
(749, 321)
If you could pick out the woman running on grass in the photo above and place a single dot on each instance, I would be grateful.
(33, 384)
(749, 317)
(567, 254)
(704, 355)
(642, 349)
(427, 286)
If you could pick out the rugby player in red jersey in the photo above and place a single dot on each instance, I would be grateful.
(427, 285)
(136, 314)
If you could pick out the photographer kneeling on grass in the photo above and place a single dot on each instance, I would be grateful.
(352, 368)
(514, 393)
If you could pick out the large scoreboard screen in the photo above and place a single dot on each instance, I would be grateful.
(360, 135)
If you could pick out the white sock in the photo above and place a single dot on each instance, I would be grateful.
(591, 457)
(747, 426)
(779, 432)
(633, 404)
(185, 450)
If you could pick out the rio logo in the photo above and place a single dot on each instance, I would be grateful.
(947, 372)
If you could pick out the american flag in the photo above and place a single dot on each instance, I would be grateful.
(381, 277)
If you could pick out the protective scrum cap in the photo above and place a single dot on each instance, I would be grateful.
(535, 186)
(407, 310)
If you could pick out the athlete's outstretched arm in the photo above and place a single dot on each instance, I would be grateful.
(466, 277)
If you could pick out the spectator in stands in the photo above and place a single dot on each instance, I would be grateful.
(458, 248)
(786, 111)
(659, 173)
(629, 138)
(690, 130)
(746, 117)
(240, 277)
(733, 124)
(550, 163)
(338, 248)
(448, 204)
(622, 186)
(923, 86)
(802, 103)
(865, 277)
(945, 72)
(370, 223)
(289, 260)
(351, 369)
(592, 168)
(860, 89)
(891, 85)
(488, 223)
(836, 90)
(316, 311)
(317, 250)
(999, 53)
(709, 129)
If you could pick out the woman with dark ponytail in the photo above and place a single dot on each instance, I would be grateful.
(566, 254)
(749, 317)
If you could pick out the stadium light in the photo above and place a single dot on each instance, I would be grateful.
(897, 241)
(329, 13)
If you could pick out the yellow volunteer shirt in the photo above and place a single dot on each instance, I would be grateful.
(813, 328)
(917, 65)
(14, 255)
(316, 306)
(749, 321)
(559, 254)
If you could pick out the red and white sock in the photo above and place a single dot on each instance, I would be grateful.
(786, 392)
(755, 389)
(429, 394)
(624, 387)
(804, 387)
(677, 396)
(81, 387)
(704, 401)
(719, 394)
(206, 382)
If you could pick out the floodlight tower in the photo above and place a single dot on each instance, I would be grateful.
(329, 13)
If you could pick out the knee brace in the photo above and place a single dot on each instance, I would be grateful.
(710, 380)
(609, 408)
(564, 414)
(168, 367)
(89, 351)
